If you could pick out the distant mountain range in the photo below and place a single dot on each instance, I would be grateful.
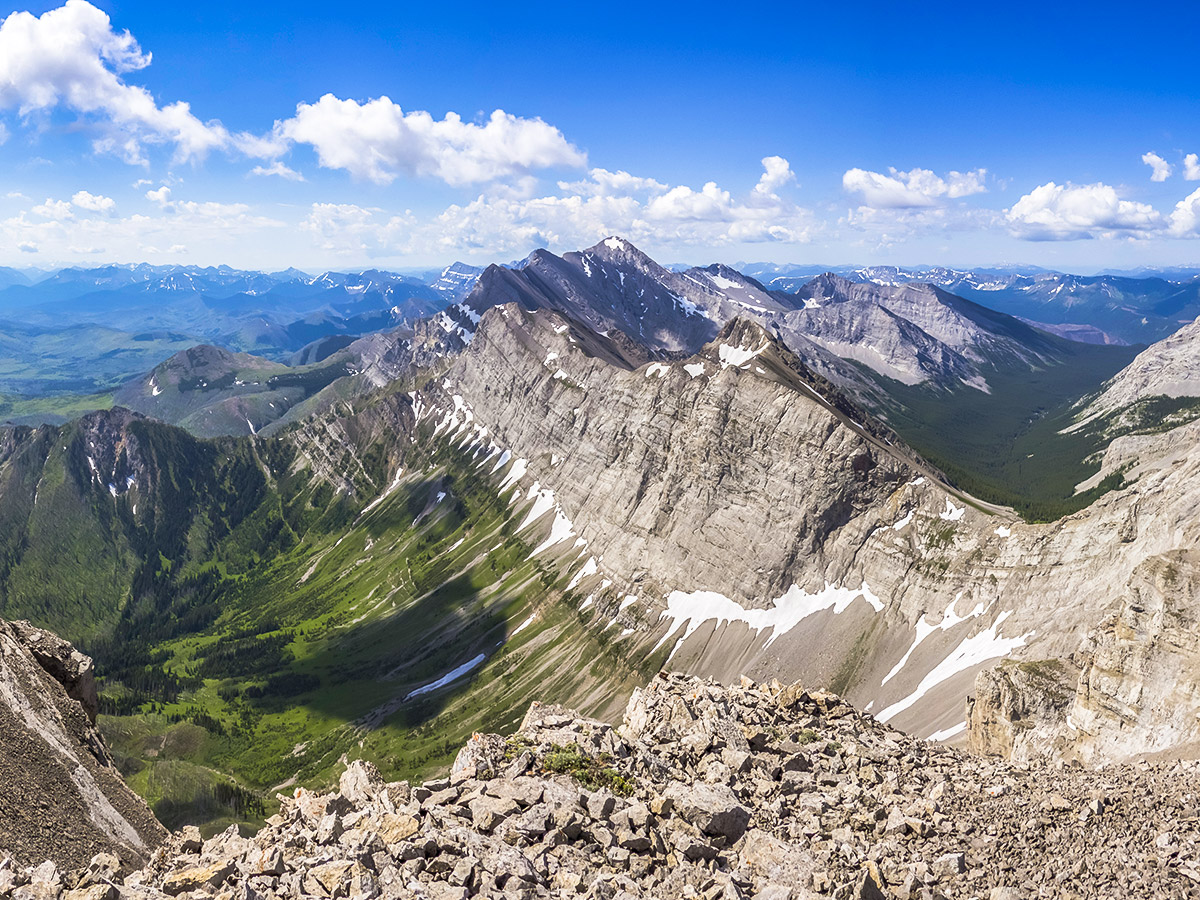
(1106, 308)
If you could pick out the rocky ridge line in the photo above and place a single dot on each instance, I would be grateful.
(705, 791)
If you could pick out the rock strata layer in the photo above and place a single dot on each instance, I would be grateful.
(755, 791)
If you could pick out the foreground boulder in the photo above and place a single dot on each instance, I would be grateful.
(61, 797)
(705, 791)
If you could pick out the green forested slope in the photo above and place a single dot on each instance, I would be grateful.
(258, 608)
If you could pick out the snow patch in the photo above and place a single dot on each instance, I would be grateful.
(946, 733)
(615, 243)
(453, 675)
(502, 462)
(737, 356)
(516, 473)
(1003, 531)
(522, 626)
(908, 518)
(979, 648)
(953, 513)
(543, 502)
(689, 308)
(658, 369)
(724, 283)
(559, 532)
(589, 568)
(949, 619)
(787, 611)
(694, 369)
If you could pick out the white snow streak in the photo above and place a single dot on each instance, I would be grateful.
(452, 675)
(543, 502)
(786, 613)
(979, 648)
(515, 474)
(946, 733)
(949, 619)
(561, 530)
(589, 568)
(522, 626)
(737, 356)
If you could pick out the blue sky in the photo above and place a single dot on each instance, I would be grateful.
(876, 134)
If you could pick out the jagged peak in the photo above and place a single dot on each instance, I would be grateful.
(743, 332)
(614, 243)
(616, 247)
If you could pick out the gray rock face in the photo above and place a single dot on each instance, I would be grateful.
(1168, 368)
(1134, 693)
(726, 513)
(63, 798)
(611, 286)
(912, 333)
(871, 813)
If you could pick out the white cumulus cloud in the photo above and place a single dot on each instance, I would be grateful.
(93, 202)
(913, 189)
(776, 173)
(1184, 220)
(377, 140)
(215, 229)
(53, 209)
(1055, 212)
(499, 220)
(1191, 167)
(279, 169)
(1161, 168)
(603, 183)
(71, 57)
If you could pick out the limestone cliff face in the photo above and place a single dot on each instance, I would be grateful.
(1138, 690)
(63, 798)
(1140, 685)
(1017, 709)
(679, 470)
(730, 513)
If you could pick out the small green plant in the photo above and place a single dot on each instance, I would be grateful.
(515, 745)
(807, 736)
(590, 771)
